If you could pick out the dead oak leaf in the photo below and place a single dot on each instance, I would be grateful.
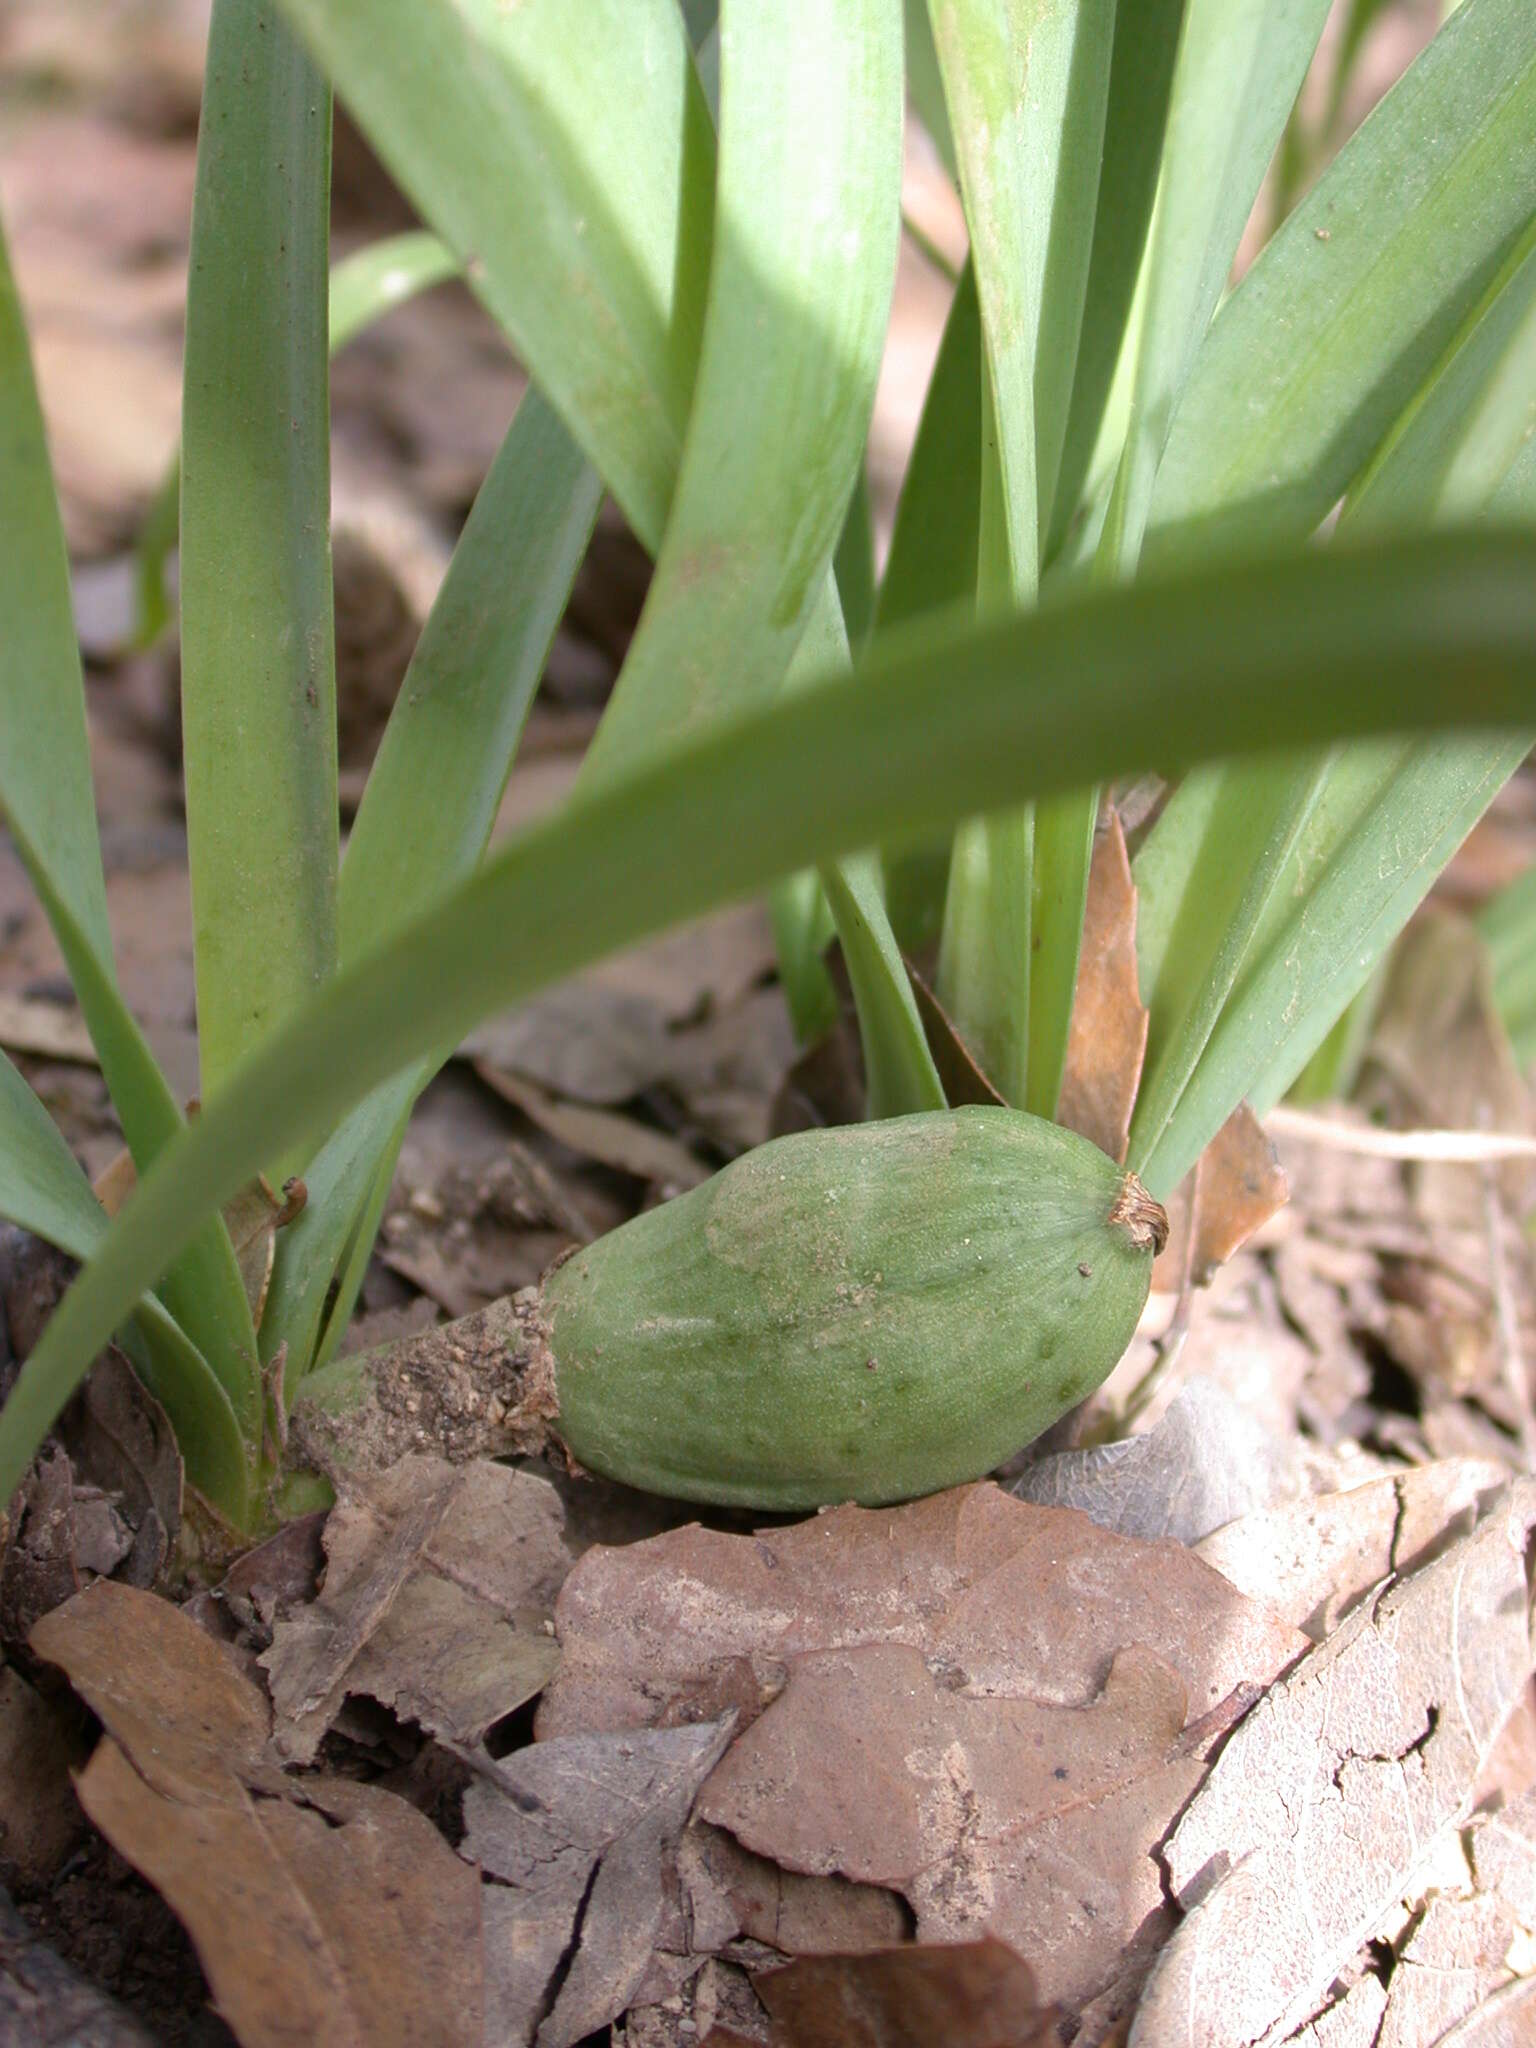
(436, 1602)
(1034, 1823)
(966, 1995)
(577, 1838)
(320, 1910)
(1335, 1791)
(1004, 1596)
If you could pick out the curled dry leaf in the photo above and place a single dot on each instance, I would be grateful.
(1336, 1790)
(1108, 1037)
(576, 1840)
(320, 1909)
(1310, 1560)
(436, 1601)
(976, 1994)
(1237, 1184)
(1206, 1462)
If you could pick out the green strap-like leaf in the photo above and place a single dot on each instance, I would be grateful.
(1431, 632)
(431, 798)
(258, 684)
(1317, 912)
(1239, 68)
(571, 175)
(45, 787)
(1346, 312)
(43, 1189)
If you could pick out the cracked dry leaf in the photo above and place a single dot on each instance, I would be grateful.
(1335, 1792)
(320, 1909)
(1006, 1597)
(436, 1602)
(1108, 1038)
(1310, 1560)
(576, 1839)
(976, 1994)
(1035, 1823)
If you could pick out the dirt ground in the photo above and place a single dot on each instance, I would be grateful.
(1215, 1708)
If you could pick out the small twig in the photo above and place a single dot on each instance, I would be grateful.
(1511, 1356)
(1446, 1148)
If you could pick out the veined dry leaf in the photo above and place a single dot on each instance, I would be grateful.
(975, 1994)
(1206, 1462)
(1108, 1037)
(1236, 1186)
(727, 1891)
(1310, 1560)
(574, 1838)
(320, 1909)
(1009, 1598)
(606, 1135)
(436, 1601)
(1337, 1788)
(896, 1668)
(992, 1815)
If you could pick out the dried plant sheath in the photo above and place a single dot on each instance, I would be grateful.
(866, 1314)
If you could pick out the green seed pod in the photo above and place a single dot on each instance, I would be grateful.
(868, 1313)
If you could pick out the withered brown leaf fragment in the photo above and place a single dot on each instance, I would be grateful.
(975, 1994)
(1007, 1597)
(1237, 1184)
(320, 1909)
(1108, 1037)
(1335, 1791)
(576, 1838)
(436, 1602)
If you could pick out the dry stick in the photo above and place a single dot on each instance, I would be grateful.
(1445, 1148)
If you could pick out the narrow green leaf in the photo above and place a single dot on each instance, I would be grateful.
(572, 177)
(1239, 68)
(432, 794)
(1450, 452)
(1331, 1072)
(1433, 632)
(854, 564)
(43, 1189)
(1342, 317)
(776, 430)
(45, 788)
(1209, 869)
(364, 286)
(375, 279)
(1135, 122)
(258, 684)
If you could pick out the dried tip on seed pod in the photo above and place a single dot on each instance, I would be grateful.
(1144, 1221)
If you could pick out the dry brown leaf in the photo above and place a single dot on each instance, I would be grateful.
(576, 1839)
(320, 1909)
(975, 1994)
(1108, 1038)
(1310, 1560)
(1336, 1790)
(1450, 1968)
(1237, 1185)
(728, 1892)
(596, 1133)
(1032, 1822)
(1206, 1462)
(959, 1069)
(717, 2003)
(436, 1602)
(982, 1704)
(1016, 1599)
(45, 1030)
